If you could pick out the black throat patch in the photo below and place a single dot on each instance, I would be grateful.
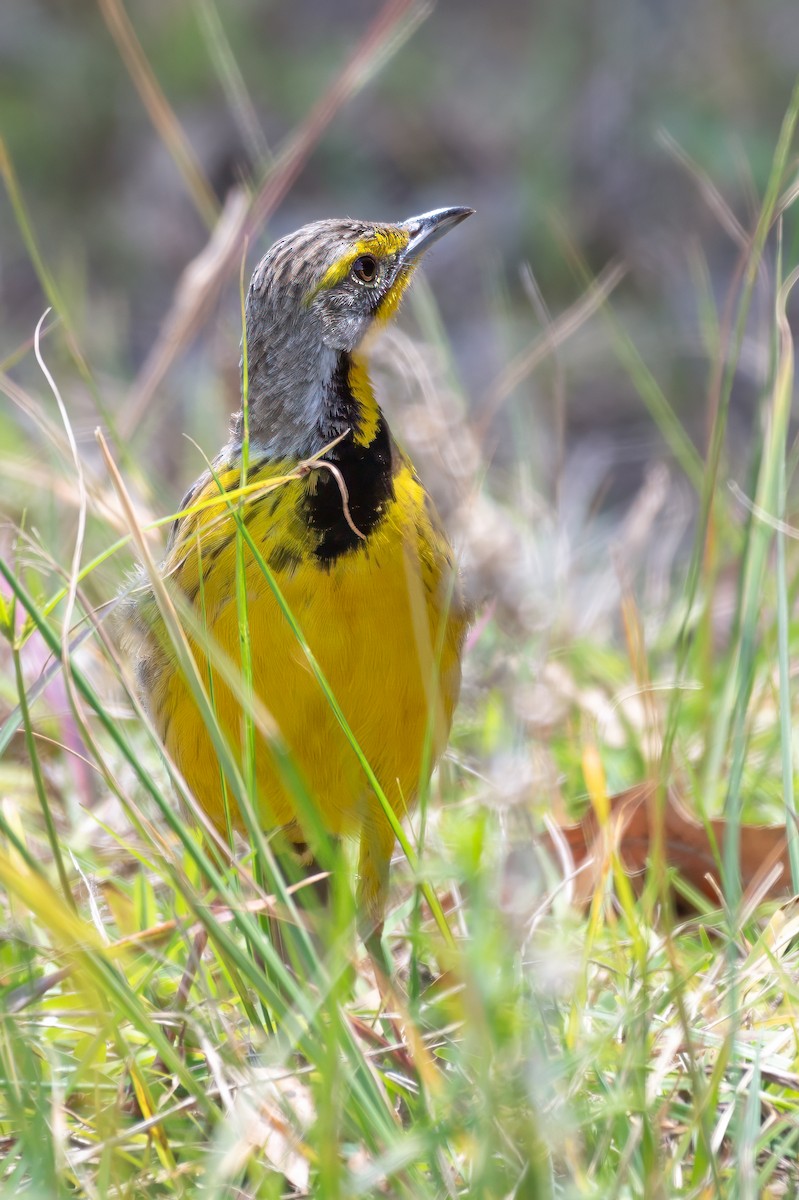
(367, 471)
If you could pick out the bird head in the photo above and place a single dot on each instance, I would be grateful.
(313, 298)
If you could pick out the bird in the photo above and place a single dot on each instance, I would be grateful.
(348, 543)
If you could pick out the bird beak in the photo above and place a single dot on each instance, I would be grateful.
(429, 227)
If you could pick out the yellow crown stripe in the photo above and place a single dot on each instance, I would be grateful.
(383, 243)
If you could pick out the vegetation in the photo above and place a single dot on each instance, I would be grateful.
(155, 1037)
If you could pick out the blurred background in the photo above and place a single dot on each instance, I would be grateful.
(551, 118)
(560, 373)
(625, 142)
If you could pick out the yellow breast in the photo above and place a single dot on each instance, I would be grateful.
(383, 620)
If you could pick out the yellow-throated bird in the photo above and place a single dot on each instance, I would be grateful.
(355, 548)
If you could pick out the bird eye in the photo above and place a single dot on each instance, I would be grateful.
(364, 269)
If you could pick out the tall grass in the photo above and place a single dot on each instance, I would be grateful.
(155, 1040)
